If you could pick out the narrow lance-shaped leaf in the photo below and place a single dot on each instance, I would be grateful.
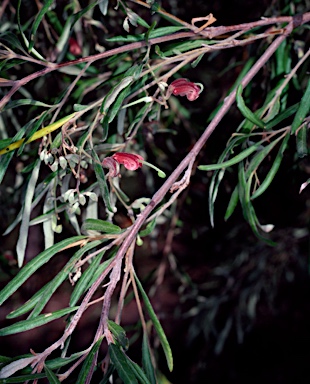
(26, 325)
(147, 360)
(31, 132)
(303, 110)
(23, 232)
(61, 277)
(157, 325)
(51, 376)
(301, 140)
(104, 190)
(101, 226)
(120, 362)
(87, 365)
(273, 170)
(38, 19)
(244, 154)
(247, 113)
(34, 265)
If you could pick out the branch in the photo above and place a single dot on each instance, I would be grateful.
(209, 33)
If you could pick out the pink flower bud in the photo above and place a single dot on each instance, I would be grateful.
(184, 87)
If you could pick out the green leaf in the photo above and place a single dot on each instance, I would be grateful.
(138, 372)
(61, 276)
(60, 362)
(246, 112)
(87, 365)
(26, 325)
(37, 21)
(22, 379)
(282, 116)
(119, 334)
(301, 141)
(23, 232)
(273, 170)
(104, 190)
(233, 201)
(21, 102)
(237, 159)
(303, 110)
(34, 265)
(114, 92)
(117, 104)
(31, 303)
(121, 364)
(26, 42)
(160, 332)
(219, 174)
(31, 132)
(149, 228)
(147, 360)
(101, 226)
(7, 157)
(52, 378)
(4, 163)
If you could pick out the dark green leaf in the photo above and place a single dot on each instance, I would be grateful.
(282, 116)
(241, 156)
(34, 265)
(22, 379)
(25, 325)
(273, 170)
(121, 364)
(28, 305)
(21, 102)
(303, 110)
(160, 332)
(101, 226)
(233, 201)
(119, 334)
(87, 365)
(147, 360)
(104, 190)
(31, 132)
(52, 378)
(4, 163)
(149, 228)
(37, 21)
(61, 276)
(246, 112)
(301, 141)
(138, 372)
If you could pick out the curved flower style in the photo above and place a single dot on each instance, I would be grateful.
(184, 87)
(130, 161)
(113, 165)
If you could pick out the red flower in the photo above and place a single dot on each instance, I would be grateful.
(130, 161)
(74, 47)
(184, 87)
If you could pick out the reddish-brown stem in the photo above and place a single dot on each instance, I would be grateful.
(209, 33)
(159, 195)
